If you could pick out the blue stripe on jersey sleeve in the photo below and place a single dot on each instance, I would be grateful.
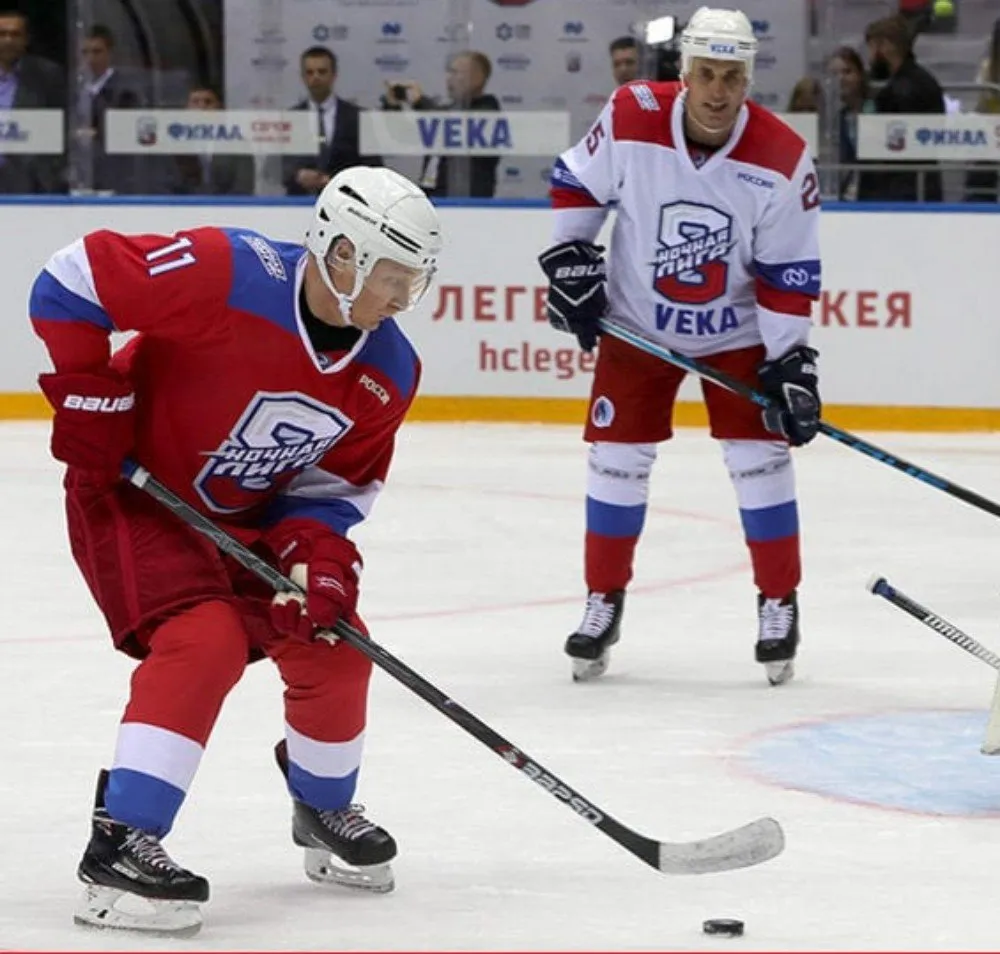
(801, 276)
(264, 277)
(562, 177)
(338, 515)
(52, 301)
(388, 351)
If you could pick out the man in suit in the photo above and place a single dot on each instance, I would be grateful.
(336, 122)
(105, 88)
(28, 82)
(468, 74)
(208, 174)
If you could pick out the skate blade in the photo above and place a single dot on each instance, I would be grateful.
(322, 869)
(584, 670)
(108, 909)
(778, 673)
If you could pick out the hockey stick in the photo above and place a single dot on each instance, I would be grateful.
(742, 847)
(844, 437)
(880, 586)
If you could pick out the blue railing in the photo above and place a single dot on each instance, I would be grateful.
(266, 201)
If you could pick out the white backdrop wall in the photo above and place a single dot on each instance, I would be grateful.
(546, 54)
(908, 317)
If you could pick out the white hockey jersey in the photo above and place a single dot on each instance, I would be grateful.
(703, 258)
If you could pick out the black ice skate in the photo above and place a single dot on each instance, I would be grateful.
(341, 847)
(777, 636)
(132, 884)
(590, 646)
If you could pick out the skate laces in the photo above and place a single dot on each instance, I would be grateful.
(147, 849)
(776, 620)
(349, 823)
(598, 615)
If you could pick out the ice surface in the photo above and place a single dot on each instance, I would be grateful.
(473, 578)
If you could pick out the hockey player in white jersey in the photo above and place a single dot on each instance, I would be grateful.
(714, 253)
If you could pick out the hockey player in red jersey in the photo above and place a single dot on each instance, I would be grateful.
(265, 385)
(715, 255)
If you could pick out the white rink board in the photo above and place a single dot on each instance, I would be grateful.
(908, 319)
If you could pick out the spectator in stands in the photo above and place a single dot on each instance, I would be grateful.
(807, 95)
(209, 174)
(908, 88)
(28, 82)
(105, 88)
(625, 59)
(468, 74)
(849, 70)
(337, 123)
(982, 184)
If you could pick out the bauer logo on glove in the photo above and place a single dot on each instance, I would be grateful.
(576, 301)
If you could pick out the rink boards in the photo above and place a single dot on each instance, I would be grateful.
(907, 325)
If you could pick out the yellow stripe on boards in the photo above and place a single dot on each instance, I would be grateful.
(27, 406)
(692, 414)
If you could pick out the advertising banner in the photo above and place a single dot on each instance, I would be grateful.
(34, 131)
(891, 330)
(464, 133)
(958, 137)
(220, 132)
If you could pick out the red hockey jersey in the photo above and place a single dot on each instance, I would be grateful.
(237, 412)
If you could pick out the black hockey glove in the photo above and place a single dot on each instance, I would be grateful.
(576, 301)
(791, 382)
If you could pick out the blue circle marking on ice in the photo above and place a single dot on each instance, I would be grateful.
(922, 761)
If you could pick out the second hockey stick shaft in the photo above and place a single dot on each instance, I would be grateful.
(846, 438)
(880, 586)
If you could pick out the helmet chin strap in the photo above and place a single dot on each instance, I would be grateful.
(707, 129)
(344, 302)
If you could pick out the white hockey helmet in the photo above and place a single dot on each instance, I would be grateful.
(718, 35)
(385, 217)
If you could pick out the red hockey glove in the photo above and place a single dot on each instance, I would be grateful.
(330, 580)
(94, 425)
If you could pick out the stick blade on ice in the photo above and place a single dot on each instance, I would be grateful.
(743, 847)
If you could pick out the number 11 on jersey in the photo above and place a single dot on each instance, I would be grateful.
(167, 258)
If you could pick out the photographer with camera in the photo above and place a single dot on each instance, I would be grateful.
(467, 76)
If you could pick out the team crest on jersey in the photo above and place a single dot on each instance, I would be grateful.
(278, 435)
(691, 266)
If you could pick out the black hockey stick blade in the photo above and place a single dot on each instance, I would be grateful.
(742, 847)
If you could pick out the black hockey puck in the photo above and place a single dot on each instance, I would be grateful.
(727, 927)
